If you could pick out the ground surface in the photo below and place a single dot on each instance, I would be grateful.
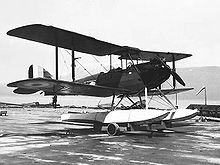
(27, 136)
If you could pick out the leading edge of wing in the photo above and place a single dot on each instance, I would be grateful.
(60, 87)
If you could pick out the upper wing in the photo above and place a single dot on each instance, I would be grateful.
(65, 39)
(70, 40)
(59, 87)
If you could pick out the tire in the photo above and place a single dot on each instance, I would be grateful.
(113, 129)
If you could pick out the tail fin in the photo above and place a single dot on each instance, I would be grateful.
(38, 71)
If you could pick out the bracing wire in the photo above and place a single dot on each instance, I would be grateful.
(169, 84)
(151, 98)
(85, 69)
(82, 66)
(162, 102)
(100, 63)
(65, 61)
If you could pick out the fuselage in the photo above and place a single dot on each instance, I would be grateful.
(134, 77)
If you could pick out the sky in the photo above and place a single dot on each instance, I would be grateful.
(185, 26)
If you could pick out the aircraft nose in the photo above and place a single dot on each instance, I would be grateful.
(152, 78)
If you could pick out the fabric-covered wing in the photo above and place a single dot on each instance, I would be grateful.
(148, 55)
(65, 39)
(59, 87)
(168, 91)
(70, 40)
(155, 92)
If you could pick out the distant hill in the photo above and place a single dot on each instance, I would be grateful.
(195, 77)
(5, 91)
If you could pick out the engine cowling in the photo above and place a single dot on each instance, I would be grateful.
(113, 129)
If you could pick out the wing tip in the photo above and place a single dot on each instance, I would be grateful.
(10, 85)
(14, 31)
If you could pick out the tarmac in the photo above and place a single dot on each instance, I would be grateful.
(33, 136)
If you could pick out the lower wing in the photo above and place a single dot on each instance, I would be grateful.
(60, 87)
(155, 92)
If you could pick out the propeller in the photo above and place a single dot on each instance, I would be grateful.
(172, 72)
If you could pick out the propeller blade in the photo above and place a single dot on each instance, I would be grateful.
(173, 73)
(177, 78)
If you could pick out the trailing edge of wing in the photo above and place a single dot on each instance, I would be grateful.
(74, 41)
(59, 87)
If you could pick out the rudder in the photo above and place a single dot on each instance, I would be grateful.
(38, 71)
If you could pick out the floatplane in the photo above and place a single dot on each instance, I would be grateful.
(143, 78)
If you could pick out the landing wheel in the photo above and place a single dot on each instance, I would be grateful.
(113, 129)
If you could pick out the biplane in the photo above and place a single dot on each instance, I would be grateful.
(143, 78)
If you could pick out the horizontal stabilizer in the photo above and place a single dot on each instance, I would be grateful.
(24, 91)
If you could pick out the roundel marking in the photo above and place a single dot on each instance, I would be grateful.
(37, 84)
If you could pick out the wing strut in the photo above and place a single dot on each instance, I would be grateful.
(73, 65)
(119, 102)
(54, 99)
(134, 64)
(56, 59)
(141, 101)
(174, 80)
(174, 70)
(130, 99)
(110, 62)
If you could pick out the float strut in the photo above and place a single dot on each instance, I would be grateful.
(113, 100)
